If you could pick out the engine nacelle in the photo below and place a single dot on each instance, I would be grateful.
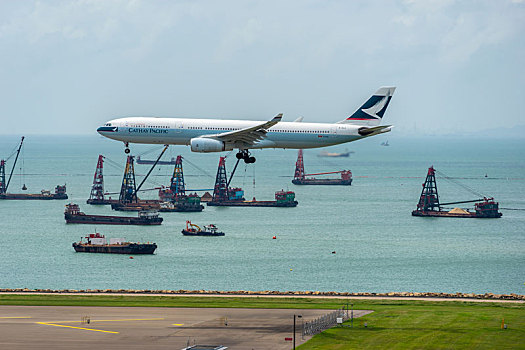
(203, 144)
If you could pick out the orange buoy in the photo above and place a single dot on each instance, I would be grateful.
(274, 237)
(131, 257)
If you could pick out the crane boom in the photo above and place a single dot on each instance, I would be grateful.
(330, 172)
(14, 164)
(472, 201)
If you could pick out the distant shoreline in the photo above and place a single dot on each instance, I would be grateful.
(487, 297)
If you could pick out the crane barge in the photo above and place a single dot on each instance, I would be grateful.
(429, 204)
(60, 191)
(300, 178)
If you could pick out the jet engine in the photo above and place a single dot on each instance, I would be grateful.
(203, 144)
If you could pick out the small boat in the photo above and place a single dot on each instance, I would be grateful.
(194, 230)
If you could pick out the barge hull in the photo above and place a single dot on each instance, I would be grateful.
(116, 249)
(24, 196)
(110, 220)
(322, 182)
(252, 204)
(451, 215)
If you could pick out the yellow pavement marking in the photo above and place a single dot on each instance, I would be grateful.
(177, 324)
(16, 317)
(86, 329)
(122, 320)
(97, 330)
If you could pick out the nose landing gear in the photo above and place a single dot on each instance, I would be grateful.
(245, 155)
(126, 150)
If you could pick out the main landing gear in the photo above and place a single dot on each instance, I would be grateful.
(245, 155)
(126, 150)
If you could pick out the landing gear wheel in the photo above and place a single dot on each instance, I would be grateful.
(239, 155)
(251, 160)
(127, 150)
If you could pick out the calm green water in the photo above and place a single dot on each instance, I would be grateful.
(380, 246)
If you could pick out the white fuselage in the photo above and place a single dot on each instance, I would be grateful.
(178, 131)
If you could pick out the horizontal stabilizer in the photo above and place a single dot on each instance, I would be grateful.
(365, 131)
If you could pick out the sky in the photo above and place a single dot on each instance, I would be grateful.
(66, 67)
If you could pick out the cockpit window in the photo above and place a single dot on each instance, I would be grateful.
(108, 124)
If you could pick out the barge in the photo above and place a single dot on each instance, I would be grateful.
(429, 205)
(139, 205)
(195, 230)
(73, 215)
(282, 199)
(60, 193)
(97, 243)
(300, 178)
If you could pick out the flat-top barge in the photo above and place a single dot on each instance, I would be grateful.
(282, 199)
(97, 243)
(73, 215)
(430, 206)
(60, 193)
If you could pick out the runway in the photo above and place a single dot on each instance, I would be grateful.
(72, 327)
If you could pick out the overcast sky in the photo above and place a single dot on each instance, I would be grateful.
(69, 66)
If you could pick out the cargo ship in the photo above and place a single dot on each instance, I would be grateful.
(430, 206)
(282, 199)
(195, 230)
(160, 162)
(73, 215)
(97, 243)
(60, 193)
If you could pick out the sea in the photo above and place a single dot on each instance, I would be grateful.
(358, 238)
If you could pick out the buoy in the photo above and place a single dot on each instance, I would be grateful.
(333, 252)
(131, 257)
(24, 187)
(274, 237)
(291, 269)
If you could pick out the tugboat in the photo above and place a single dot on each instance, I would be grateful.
(194, 230)
(97, 243)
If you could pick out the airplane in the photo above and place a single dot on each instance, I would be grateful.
(212, 135)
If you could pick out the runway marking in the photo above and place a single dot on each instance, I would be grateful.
(122, 320)
(85, 329)
(56, 324)
(16, 317)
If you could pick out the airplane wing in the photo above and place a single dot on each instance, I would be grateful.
(248, 136)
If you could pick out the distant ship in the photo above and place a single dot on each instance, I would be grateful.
(160, 162)
(335, 154)
(385, 143)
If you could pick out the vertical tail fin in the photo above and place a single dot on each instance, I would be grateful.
(372, 111)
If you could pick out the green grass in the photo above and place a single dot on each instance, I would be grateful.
(394, 324)
(428, 325)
